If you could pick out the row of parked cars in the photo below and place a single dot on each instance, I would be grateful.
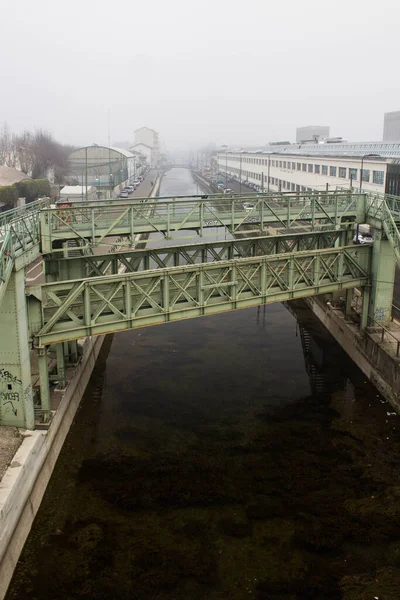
(129, 189)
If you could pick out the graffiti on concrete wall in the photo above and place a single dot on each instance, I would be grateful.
(10, 394)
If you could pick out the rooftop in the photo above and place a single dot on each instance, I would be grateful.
(8, 176)
(343, 149)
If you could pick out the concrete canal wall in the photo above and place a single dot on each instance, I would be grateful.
(376, 358)
(25, 481)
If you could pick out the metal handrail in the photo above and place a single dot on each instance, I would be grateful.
(384, 330)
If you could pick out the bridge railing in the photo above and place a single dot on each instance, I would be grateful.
(166, 216)
(19, 231)
(81, 307)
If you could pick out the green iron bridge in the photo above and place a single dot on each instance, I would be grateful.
(296, 245)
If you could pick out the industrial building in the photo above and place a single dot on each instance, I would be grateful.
(303, 168)
(147, 143)
(311, 133)
(391, 126)
(106, 168)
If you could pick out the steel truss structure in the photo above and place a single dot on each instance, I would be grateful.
(78, 308)
(91, 294)
(91, 265)
(93, 224)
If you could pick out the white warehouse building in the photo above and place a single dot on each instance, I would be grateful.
(303, 168)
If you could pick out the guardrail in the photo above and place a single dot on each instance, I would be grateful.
(384, 332)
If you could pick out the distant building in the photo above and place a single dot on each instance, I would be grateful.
(145, 150)
(307, 167)
(311, 133)
(9, 176)
(391, 126)
(106, 168)
(71, 193)
(145, 139)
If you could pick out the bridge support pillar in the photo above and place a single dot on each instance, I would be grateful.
(44, 379)
(16, 398)
(383, 273)
(60, 365)
(364, 307)
(349, 299)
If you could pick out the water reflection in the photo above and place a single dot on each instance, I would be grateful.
(235, 456)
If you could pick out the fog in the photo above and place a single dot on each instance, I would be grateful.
(236, 73)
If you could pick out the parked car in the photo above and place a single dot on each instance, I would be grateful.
(248, 206)
(137, 182)
(124, 194)
(363, 238)
(227, 191)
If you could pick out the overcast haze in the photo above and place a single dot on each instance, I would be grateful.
(224, 71)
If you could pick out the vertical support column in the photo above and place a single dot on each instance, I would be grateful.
(364, 308)
(382, 272)
(44, 379)
(73, 351)
(16, 398)
(349, 298)
(60, 365)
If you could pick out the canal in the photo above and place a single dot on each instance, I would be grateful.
(236, 456)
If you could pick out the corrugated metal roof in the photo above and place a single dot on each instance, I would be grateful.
(345, 149)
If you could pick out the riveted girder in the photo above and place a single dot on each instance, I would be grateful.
(78, 308)
(94, 224)
(172, 256)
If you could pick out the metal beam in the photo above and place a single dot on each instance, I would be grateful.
(94, 223)
(79, 308)
(180, 255)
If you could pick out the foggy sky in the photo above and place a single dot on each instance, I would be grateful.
(231, 71)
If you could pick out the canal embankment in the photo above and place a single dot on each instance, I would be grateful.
(25, 480)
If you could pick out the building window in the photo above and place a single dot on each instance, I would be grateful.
(280, 164)
(332, 171)
(293, 187)
(377, 177)
(342, 172)
(324, 169)
(353, 174)
(365, 175)
(293, 166)
(284, 164)
(304, 167)
(317, 169)
(299, 166)
(310, 168)
(297, 188)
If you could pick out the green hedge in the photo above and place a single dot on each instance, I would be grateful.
(33, 188)
(8, 195)
(29, 189)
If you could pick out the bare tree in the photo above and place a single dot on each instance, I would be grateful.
(7, 147)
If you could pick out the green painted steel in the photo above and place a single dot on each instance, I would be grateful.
(78, 308)
(19, 239)
(88, 294)
(92, 225)
(16, 402)
(93, 265)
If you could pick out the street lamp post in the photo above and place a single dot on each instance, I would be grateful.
(362, 164)
(111, 182)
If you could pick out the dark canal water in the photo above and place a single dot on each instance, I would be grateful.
(236, 456)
